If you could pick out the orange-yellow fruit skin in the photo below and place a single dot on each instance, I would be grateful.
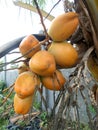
(54, 82)
(63, 26)
(28, 43)
(65, 54)
(22, 106)
(43, 63)
(26, 84)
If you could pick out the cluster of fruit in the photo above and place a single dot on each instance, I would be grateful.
(42, 64)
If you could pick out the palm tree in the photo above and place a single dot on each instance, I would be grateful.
(87, 41)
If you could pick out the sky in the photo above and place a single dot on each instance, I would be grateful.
(15, 22)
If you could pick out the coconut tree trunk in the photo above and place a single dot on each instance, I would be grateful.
(92, 10)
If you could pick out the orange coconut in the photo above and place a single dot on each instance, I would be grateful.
(64, 53)
(22, 106)
(28, 43)
(43, 63)
(63, 26)
(54, 82)
(26, 83)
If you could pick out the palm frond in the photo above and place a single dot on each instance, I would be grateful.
(32, 8)
(41, 3)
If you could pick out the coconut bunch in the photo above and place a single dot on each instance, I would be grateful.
(42, 65)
